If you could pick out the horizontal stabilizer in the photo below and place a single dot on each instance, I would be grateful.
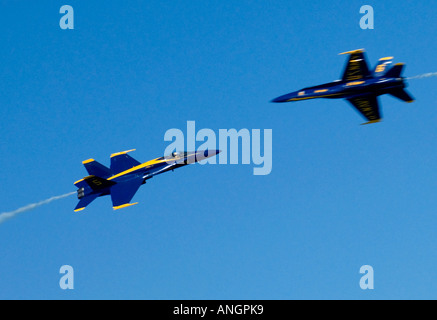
(85, 201)
(81, 184)
(402, 95)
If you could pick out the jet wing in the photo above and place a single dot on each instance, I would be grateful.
(367, 106)
(356, 68)
(123, 192)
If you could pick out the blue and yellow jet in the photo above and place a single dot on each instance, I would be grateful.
(360, 86)
(123, 179)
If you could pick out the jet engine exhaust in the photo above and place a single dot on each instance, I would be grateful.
(8, 215)
(425, 75)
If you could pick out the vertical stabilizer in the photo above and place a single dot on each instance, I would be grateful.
(395, 71)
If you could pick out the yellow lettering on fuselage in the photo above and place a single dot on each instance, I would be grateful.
(97, 182)
(380, 68)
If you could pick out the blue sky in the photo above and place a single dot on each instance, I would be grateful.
(340, 195)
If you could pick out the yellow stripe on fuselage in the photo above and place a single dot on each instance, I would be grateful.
(314, 97)
(298, 99)
(354, 83)
(141, 166)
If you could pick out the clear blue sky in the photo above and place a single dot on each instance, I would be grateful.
(340, 195)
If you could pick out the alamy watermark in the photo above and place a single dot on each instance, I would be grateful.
(67, 20)
(67, 280)
(367, 21)
(230, 142)
(367, 281)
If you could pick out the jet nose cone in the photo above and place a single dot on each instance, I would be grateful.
(277, 100)
(286, 97)
(204, 154)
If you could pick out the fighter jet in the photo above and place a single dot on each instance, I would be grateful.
(125, 175)
(360, 86)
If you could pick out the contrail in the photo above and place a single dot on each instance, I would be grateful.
(425, 75)
(7, 215)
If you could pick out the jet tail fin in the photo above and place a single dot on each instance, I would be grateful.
(395, 71)
(121, 161)
(402, 95)
(382, 66)
(96, 169)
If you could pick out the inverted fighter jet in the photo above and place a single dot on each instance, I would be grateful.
(360, 86)
(123, 179)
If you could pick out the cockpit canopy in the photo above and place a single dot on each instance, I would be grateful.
(178, 154)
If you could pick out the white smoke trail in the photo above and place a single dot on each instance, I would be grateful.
(425, 75)
(8, 215)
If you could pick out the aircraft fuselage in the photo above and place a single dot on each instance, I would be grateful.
(95, 186)
(349, 89)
